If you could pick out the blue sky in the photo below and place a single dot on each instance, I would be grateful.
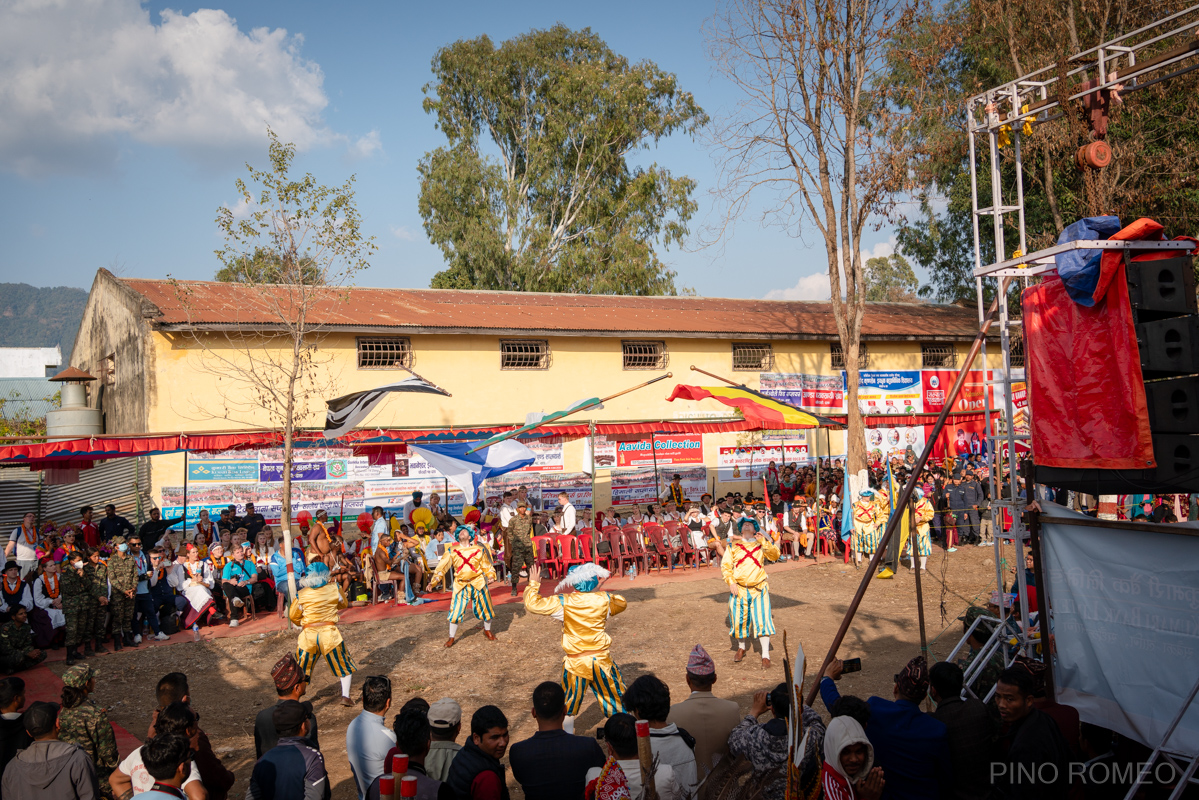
(122, 130)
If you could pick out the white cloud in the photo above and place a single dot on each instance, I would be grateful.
(78, 77)
(816, 285)
(364, 146)
(402, 233)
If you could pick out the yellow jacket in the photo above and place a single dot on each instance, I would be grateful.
(314, 606)
(924, 514)
(865, 512)
(583, 614)
(744, 563)
(472, 566)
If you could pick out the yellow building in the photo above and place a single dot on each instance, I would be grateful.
(170, 357)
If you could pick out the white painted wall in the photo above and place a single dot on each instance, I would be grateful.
(28, 362)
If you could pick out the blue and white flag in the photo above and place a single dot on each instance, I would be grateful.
(466, 470)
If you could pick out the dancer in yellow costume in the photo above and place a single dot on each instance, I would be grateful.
(865, 523)
(743, 568)
(315, 610)
(924, 545)
(584, 615)
(473, 569)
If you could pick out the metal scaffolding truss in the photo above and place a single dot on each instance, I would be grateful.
(1120, 64)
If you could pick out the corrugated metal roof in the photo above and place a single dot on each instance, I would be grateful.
(28, 398)
(202, 303)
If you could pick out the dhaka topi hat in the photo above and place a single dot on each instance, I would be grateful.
(699, 662)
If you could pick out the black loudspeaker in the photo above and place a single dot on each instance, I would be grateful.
(1173, 405)
(1169, 347)
(1177, 471)
(1177, 457)
(1161, 288)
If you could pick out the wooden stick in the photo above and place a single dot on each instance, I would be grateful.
(646, 756)
(717, 377)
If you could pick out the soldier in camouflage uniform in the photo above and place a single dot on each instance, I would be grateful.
(990, 672)
(520, 544)
(17, 652)
(78, 606)
(95, 575)
(122, 575)
(81, 722)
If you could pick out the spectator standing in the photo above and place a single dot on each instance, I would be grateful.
(765, 745)
(168, 762)
(253, 522)
(49, 767)
(552, 763)
(445, 723)
(412, 731)
(289, 685)
(708, 718)
(111, 525)
(23, 544)
(81, 722)
(367, 737)
(13, 736)
(89, 534)
(1036, 744)
(477, 773)
(970, 731)
(909, 745)
(648, 698)
(292, 769)
(122, 578)
(153, 529)
(620, 734)
(134, 774)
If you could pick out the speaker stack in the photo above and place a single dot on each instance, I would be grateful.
(1162, 294)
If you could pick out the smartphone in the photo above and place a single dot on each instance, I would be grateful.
(851, 665)
(599, 733)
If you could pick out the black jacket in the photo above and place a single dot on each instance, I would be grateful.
(469, 762)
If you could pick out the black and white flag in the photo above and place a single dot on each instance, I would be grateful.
(347, 411)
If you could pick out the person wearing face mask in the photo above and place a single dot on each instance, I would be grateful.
(122, 576)
(78, 607)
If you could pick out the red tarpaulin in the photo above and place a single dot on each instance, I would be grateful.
(1084, 376)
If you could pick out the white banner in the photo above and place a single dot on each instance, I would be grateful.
(694, 481)
(1125, 606)
(750, 463)
(605, 453)
(883, 443)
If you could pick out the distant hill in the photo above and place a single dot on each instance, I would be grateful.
(33, 317)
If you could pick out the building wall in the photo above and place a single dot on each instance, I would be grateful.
(201, 387)
(28, 362)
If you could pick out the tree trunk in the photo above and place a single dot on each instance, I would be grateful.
(288, 444)
(855, 433)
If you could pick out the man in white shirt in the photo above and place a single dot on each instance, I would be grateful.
(620, 734)
(131, 774)
(378, 527)
(648, 698)
(367, 737)
(568, 513)
(23, 542)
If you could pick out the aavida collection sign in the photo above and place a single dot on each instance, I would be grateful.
(663, 450)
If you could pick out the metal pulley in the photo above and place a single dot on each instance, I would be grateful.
(1096, 155)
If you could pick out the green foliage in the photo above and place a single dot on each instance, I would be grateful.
(265, 266)
(40, 317)
(17, 417)
(890, 279)
(534, 190)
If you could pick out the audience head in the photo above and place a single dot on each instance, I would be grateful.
(12, 695)
(847, 749)
(172, 687)
(445, 718)
(1014, 694)
(648, 698)
(167, 757)
(549, 702)
(945, 681)
(288, 677)
(412, 732)
(290, 718)
(780, 700)
(854, 707)
(911, 683)
(376, 694)
(41, 720)
(701, 670)
(489, 731)
(416, 704)
(620, 732)
(177, 718)
(77, 683)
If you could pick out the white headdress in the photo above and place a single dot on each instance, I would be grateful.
(584, 578)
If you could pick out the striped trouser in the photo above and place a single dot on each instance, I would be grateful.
(865, 539)
(924, 545)
(605, 682)
(310, 649)
(751, 611)
(468, 597)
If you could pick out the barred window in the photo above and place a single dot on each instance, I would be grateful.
(838, 355)
(389, 352)
(1016, 349)
(524, 354)
(752, 357)
(645, 355)
(936, 355)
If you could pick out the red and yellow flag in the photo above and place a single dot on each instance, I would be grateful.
(755, 407)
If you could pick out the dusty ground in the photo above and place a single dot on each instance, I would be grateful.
(230, 677)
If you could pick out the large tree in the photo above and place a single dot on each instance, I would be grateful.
(535, 189)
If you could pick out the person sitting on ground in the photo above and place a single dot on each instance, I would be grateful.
(709, 719)
(17, 652)
(623, 767)
(367, 737)
(1037, 746)
(13, 736)
(134, 775)
(848, 762)
(552, 763)
(909, 745)
(293, 769)
(970, 732)
(648, 698)
(167, 760)
(412, 731)
(445, 723)
(289, 685)
(173, 687)
(49, 767)
(81, 722)
(765, 745)
(477, 773)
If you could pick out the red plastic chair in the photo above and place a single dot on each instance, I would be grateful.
(569, 552)
(547, 554)
(587, 545)
(615, 558)
(634, 550)
(661, 550)
(689, 552)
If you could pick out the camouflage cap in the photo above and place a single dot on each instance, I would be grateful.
(116, 540)
(77, 676)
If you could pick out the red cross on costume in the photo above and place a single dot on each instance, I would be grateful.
(467, 562)
(753, 554)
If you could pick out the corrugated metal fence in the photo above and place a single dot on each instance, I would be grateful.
(124, 482)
